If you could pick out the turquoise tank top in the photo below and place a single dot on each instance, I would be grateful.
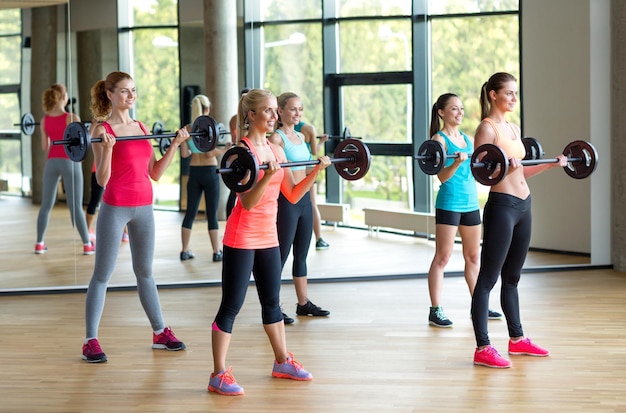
(298, 128)
(293, 152)
(459, 193)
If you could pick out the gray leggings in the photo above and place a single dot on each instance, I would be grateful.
(141, 233)
(72, 174)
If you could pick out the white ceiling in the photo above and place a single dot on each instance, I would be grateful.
(25, 4)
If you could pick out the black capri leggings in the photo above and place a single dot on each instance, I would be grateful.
(96, 195)
(202, 179)
(295, 226)
(236, 268)
(507, 224)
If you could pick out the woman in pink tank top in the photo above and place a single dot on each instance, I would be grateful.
(251, 244)
(125, 170)
(58, 166)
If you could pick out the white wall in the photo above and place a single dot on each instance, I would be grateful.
(564, 93)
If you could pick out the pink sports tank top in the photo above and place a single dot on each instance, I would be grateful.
(512, 148)
(129, 184)
(55, 128)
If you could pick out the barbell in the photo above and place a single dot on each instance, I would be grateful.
(77, 141)
(158, 128)
(344, 135)
(431, 155)
(490, 164)
(27, 124)
(239, 167)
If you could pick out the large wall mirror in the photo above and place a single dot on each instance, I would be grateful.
(89, 47)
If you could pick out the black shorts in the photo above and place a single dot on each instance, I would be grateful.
(468, 219)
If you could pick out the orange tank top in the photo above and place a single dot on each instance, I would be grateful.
(256, 229)
(512, 148)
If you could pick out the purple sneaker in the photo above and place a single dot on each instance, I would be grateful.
(224, 383)
(290, 369)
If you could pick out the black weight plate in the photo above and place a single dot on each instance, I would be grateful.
(489, 164)
(77, 140)
(245, 169)
(164, 144)
(359, 159)
(587, 161)
(206, 134)
(28, 124)
(158, 128)
(346, 133)
(222, 134)
(431, 157)
(533, 148)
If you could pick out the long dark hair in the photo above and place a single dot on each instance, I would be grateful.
(440, 104)
(495, 83)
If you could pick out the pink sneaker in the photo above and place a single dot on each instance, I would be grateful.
(489, 357)
(89, 249)
(125, 237)
(92, 236)
(528, 348)
(40, 248)
(167, 341)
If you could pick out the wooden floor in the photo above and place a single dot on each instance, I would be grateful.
(354, 254)
(375, 353)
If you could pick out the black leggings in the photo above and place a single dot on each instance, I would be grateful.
(507, 224)
(236, 268)
(202, 179)
(295, 226)
(96, 195)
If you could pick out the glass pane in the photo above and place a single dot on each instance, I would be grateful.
(384, 187)
(357, 8)
(286, 48)
(471, 6)
(10, 144)
(10, 22)
(154, 12)
(156, 70)
(284, 10)
(367, 46)
(378, 113)
(10, 53)
(457, 68)
(386, 184)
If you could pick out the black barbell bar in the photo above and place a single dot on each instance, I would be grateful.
(582, 160)
(351, 158)
(77, 140)
(432, 155)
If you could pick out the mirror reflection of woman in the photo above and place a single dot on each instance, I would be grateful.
(203, 178)
(59, 166)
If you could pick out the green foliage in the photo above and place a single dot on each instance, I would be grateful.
(461, 67)
(464, 51)
(10, 55)
(156, 73)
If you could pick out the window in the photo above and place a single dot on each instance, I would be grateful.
(10, 78)
(149, 38)
(382, 64)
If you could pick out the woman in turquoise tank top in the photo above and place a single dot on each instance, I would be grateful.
(456, 205)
